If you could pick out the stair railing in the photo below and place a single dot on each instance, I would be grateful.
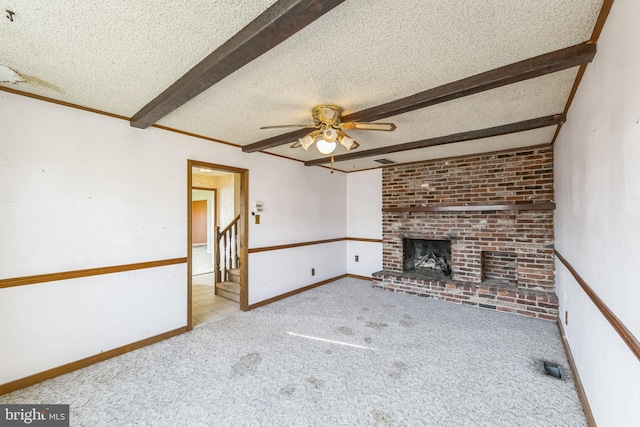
(227, 250)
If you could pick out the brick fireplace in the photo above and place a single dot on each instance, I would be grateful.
(427, 258)
(495, 213)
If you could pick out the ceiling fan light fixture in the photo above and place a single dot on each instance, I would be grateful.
(329, 134)
(347, 141)
(325, 147)
(306, 141)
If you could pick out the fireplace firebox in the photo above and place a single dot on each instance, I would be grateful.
(428, 258)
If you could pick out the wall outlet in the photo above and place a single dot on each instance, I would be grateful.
(313, 271)
(357, 258)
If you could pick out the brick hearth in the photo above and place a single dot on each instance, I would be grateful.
(501, 260)
(528, 302)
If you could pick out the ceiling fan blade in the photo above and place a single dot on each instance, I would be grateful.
(296, 145)
(368, 126)
(289, 126)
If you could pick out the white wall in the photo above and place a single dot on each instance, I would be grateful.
(597, 184)
(273, 273)
(48, 325)
(364, 220)
(80, 190)
(306, 206)
(300, 203)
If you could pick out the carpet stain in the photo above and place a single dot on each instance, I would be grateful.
(316, 382)
(381, 417)
(328, 351)
(247, 364)
(400, 368)
(345, 330)
(407, 316)
(406, 323)
(368, 340)
(360, 318)
(365, 309)
(376, 325)
(400, 365)
(288, 390)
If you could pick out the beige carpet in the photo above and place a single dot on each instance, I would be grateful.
(343, 354)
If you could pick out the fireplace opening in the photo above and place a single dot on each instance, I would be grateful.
(500, 267)
(429, 258)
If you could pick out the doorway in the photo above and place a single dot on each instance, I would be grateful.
(217, 242)
(204, 220)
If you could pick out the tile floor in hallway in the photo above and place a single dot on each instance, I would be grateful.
(205, 305)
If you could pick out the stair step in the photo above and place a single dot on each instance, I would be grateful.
(229, 287)
(234, 275)
(228, 290)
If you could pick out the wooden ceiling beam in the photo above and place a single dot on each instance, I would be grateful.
(276, 24)
(523, 70)
(525, 125)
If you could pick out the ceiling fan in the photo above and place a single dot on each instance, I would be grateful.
(329, 129)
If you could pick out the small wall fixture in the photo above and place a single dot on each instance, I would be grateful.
(552, 369)
(257, 207)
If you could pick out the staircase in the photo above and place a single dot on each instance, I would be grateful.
(228, 261)
(231, 289)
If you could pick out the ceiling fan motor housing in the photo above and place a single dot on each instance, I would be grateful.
(327, 114)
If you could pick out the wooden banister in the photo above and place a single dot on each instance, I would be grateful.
(227, 253)
(234, 222)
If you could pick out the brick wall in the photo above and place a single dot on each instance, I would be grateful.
(513, 177)
(500, 266)
(480, 240)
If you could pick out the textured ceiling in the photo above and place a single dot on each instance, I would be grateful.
(117, 56)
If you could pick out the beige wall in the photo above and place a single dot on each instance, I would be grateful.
(228, 197)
